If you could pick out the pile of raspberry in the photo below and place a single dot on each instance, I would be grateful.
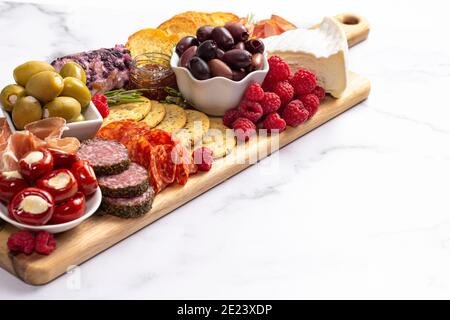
(28, 242)
(283, 99)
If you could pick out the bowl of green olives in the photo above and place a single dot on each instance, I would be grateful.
(41, 92)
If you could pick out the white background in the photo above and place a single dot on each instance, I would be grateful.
(358, 208)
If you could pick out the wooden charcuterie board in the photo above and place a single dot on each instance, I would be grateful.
(101, 232)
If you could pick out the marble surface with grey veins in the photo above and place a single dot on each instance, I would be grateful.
(358, 208)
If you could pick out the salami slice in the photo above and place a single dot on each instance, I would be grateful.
(157, 137)
(128, 207)
(106, 157)
(140, 150)
(129, 183)
(185, 165)
(166, 167)
(133, 132)
(115, 130)
(155, 177)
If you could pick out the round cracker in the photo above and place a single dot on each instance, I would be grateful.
(197, 124)
(184, 137)
(156, 114)
(219, 138)
(151, 40)
(180, 26)
(129, 111)
(200, 18)
(174, 119)
(221, 18)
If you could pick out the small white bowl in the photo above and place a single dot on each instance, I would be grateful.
(92, 204)
(81, 130)
(216, 95)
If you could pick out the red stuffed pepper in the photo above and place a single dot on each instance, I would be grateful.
(35, 164)
(85, 175)
(70, 210)
(62, 159)
(61, 184)
(11, 183)
(32, 206)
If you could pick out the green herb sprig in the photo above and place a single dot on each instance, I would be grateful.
(175, 97)
(121, 96)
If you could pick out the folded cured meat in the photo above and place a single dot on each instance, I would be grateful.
(42, 133)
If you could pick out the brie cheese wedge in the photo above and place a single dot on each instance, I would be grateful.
(323, 51)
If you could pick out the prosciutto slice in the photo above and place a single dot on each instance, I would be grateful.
(5, 133)
(44, 133)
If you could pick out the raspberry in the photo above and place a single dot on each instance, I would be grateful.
(278, 69)
(295, 113)
(303, 81)
(203, 158)
(244, 129)
(320, 93)
(230, 116)
(250, 110)
(45, 243)
(285, 91)
(101, 103)
(268, 83)
(270, 103)
(21, 242)
(254, 92)
(311, 103)
(273, 121)
(275, 59)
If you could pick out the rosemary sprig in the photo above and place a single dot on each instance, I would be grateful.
(251, 18)
(120, 96)
(175, 97)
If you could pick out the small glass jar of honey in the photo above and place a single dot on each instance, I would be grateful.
(152, 71)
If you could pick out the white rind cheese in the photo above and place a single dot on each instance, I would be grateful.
(323, 51)
(34, 205)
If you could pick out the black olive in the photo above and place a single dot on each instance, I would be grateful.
(207, 50)
(237, 58)
(184, 44)
(223, 38)
(219, 53)
(255, 46)
(204, 33)
(199, 68)
(238, 31)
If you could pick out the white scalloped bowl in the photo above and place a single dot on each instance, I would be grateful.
(216, 95)
(82, 130)
(92, 204)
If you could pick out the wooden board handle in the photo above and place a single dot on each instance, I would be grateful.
(356, 27)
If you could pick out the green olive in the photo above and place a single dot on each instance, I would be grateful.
(64, 107)
(10, 94)
(27, 109)
(28, 69)
(45, 86)
(72, 69)
(78, 119)
(76, 89)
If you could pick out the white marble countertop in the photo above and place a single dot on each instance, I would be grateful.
(358, 208)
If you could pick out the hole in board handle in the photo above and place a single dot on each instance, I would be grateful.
(350, 20)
